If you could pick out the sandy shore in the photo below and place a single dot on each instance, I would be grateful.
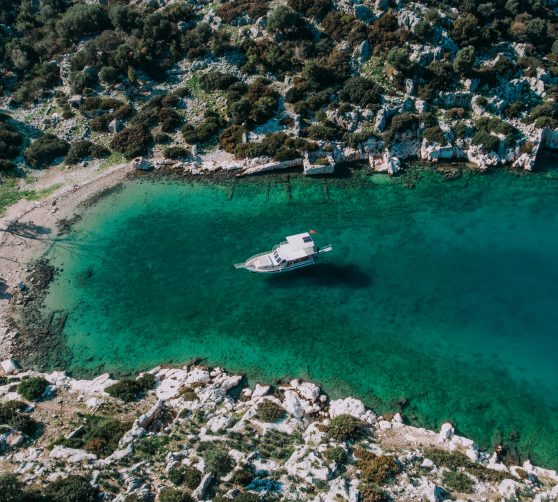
(37, 228)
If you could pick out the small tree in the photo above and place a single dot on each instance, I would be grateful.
(32, 388)
(464, 60)
(45, 150)
(283, 19)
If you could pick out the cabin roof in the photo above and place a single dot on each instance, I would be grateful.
(297, 246)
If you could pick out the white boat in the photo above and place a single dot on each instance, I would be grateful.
(296, 252)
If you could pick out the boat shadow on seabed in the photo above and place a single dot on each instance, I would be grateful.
(322, 274)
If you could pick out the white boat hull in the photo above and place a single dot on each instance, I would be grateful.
(263, 263)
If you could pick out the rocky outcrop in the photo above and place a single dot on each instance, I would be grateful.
(292, 455)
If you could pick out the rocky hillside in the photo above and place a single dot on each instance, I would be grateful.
(325, 80)
(197, 433)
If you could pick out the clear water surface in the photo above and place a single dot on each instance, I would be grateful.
(442, 299)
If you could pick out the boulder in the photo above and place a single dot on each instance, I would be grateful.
(308, 391)
(292, 404)
(10, 366)
(260, 391)
(150, 416)
(347, 406)
(446, 432)
(199, 492)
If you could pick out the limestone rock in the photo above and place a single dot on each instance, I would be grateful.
(72, 455)
(446, 432)
(10, 366)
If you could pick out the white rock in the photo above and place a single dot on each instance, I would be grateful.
(219, 423)
(446, 432)
(149, 416)
(260, 390)
(95, 386)
(72, 455)
(292, 404)
(347, 406)
(10, 366)
(306, 464)
(508, 489)
(308, 391)
(199, 492)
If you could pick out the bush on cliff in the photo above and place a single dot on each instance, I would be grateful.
(376, 469)
(185, 475)
(268, 411)
(458, 482)
(217, 460)
(12, 415)
(10, 488)
(44, 150)
(71, 489)
(100, 435)
(172, 495)
(32, 388)
(345, 428)
(129, 390)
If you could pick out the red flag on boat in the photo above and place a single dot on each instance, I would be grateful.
(313, 232)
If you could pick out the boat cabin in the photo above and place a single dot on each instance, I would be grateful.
(295, 249)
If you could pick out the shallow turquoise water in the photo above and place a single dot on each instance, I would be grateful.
(444, 295)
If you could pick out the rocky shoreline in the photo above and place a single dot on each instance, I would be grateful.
(203, 434)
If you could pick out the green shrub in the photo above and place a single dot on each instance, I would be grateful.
(82, 149)
(109, 74)
(345, 428)
(172, 495)
(169, 119)
(434, 135)
(371, 493)
(81, 19)
(217, 460)
(176, 152)
(188, 394)
(336, 454)
(12, 414)
(360, 91)
(284, 19)
(486, 141)
(376, 469)
(100, 435)
(71, 489)
(216, 80)
(129, 390)
(458, 481)
(132, 141)
(247, 497)
(32, 388)
(243, 477)
(44, 150)
(185, 475)
(454, 460)
(11, 489)
(10, 141)
(268, 411)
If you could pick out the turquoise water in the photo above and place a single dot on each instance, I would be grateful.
(441, 299)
